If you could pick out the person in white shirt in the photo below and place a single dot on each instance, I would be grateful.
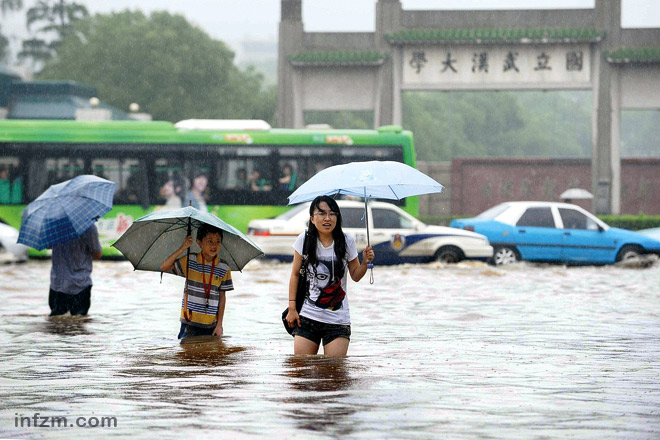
(331, 256)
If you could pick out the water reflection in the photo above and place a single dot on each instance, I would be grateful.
(183, 380)
(206, 351)
(198, 355)
(318, 373)
(321, 402)
(66, 325)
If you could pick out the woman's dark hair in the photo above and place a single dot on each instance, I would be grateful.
(337, 235)
(179, 185)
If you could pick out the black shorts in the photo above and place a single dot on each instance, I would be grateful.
(316, 331)
(78, 304)
(188, 330)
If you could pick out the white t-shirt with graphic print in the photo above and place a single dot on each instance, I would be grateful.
(325, 302)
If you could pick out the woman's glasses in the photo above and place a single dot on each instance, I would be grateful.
(322, 214)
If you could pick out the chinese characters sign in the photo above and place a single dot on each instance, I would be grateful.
(554, 66)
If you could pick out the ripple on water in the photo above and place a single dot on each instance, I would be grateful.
(437, 351)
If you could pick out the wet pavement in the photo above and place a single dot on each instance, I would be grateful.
(465, 351)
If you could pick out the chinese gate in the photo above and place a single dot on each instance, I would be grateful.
(476, 50)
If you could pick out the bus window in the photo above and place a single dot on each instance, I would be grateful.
(253, 174)
(11, 181)
(233, 174)
(288, 177)
(167, 170)
(50, 171)
(128, 174)
(368, 153)
(63, 168)
(201, 182)
(101, 167)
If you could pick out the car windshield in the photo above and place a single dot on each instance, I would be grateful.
(493, 212)
(292, 212)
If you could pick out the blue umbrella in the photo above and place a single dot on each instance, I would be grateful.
(65, 210)
(153, 238)
(371, 180)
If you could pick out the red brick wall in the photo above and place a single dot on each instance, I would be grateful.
(640, 186)
(479, 183)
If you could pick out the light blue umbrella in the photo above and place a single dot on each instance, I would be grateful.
(153, 238)
(371, 180)
(65, 211)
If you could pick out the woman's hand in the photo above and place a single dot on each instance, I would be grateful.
(293, 318)
(368, 255)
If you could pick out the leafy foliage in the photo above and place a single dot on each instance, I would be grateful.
(173, 69)
(497, 124)
(649, 55)
(5, 7)
(632, 222)
(58, 17)
(505, 124)
(495, 34)
(640, 133)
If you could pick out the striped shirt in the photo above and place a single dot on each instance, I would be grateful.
(199, 273)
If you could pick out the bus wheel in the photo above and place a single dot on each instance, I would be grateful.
(448, 255)
(504, 255)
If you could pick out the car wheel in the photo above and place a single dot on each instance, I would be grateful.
(505, 255)
(448, 255)
(628, 252)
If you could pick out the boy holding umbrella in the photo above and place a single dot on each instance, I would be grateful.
(208, 279)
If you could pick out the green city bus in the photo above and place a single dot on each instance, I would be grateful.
(249, 169)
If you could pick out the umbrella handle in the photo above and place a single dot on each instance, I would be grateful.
(370, 266)
(187, 314)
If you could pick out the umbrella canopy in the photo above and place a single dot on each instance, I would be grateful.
(153, 238)
(65, 210)
(576, 193)
(371, 180)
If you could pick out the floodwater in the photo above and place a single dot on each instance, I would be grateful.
(462, 352)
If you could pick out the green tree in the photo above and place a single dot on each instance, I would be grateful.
(6, 6)
(173, 69)
(640, 133)
(58, 17)
(498, 124)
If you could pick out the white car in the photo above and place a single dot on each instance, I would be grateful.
(10, 250)
(396, 236)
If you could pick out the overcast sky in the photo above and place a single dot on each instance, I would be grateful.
(237, 20)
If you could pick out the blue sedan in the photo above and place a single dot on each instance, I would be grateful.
(554, 232)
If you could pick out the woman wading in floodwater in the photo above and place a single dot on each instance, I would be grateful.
(332, 255)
